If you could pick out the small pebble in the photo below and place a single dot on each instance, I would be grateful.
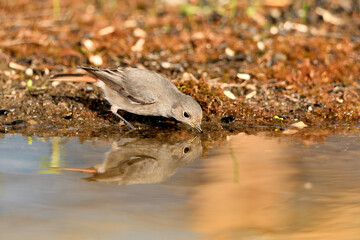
(29, 72)
(229, 94)
(329, 17)
(138, 32)
(339, 100)
(89, 45)
(165, 65)
(106, 30)
(16, 66)
(260, 45)
(244, 76)
(250, 95)
(275, 13)
(189, 76)
(138, 47)
(229, 52)
(55, 83)
(96, 60)
(46, 71)
(274, 30)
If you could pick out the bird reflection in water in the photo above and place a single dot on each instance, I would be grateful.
(143, 161)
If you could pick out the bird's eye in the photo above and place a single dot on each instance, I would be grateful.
(186, 150)
(186, 115)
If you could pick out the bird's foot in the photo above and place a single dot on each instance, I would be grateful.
(123, 119)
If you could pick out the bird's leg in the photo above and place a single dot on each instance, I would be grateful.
(101, 168)
(114, 111)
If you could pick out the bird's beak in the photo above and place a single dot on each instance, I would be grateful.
(197, 127)
(196, 138)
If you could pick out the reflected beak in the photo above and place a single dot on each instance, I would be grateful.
(197, 127)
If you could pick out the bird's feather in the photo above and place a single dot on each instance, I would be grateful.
(119, 80)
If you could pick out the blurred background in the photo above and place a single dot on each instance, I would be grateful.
(292, 59)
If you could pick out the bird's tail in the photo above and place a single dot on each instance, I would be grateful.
(84, 170)
(73, 77)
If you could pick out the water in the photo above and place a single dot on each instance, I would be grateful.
(248, 187)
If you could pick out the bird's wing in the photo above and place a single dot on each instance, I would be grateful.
(135, 89)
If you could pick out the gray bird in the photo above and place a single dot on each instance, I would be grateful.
(142, 161)
(142, 92)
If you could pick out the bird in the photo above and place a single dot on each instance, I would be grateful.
(140, 91)
(142, 161)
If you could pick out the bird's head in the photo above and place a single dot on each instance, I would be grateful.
(188, 111)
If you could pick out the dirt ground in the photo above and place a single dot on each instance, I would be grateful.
(249, 64)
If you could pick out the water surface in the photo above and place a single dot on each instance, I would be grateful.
(248, 187)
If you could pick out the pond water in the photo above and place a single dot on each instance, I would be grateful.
(247, 187)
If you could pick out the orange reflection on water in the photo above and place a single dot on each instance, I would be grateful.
(253, 191)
